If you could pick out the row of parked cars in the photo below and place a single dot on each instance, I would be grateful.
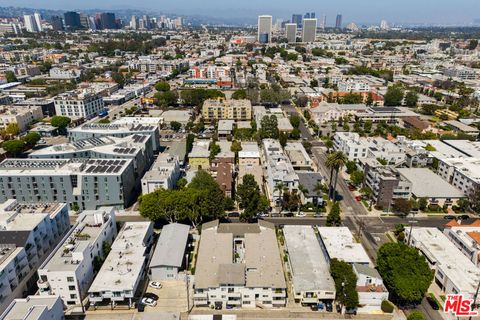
(149, 298)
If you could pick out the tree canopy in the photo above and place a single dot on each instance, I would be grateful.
(333, 218)
(202, 199)
(345, 283)
(249, 197)
(61, 122)
(14, 147)
(405, 272)
(196, 97)
(394, 96)
(269, 127)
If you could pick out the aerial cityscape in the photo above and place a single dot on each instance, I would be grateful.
(279, 161)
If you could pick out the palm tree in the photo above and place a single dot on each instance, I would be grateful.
(335, 161)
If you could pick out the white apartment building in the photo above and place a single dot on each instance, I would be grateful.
(462, 173)
(68, 272)
(249, 162)
(35, 227)
(238, 266)
(79, 104)
(125, 266)
(356, 147)
(283, 122)
(338, 243)
(64, 74)
(164, 173)
(298, 156)
(370, 288)
(454, 272)
(312, 282)
(23, 116)
(353, 86)
(34, 308)
(466, 237)
(278, 170)
(14, 271)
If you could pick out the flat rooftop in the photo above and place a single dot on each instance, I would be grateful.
(124, 263)
(252, 261)
(425, 183)
(83, 234)
(310, 269)
(340, 244)
(443, 253)
(30, 308)
(470, 148)
(171, 245)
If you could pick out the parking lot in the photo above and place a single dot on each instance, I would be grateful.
(172, 297)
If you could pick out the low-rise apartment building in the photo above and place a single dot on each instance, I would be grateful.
(34, 308)
(119, 129)
(87, 183)
(14, 270)
(278, 170)
(338, 243)
(69, 270)
(312, 282)
(466, 237)
(298, 156)
(79, 104)
(238, 110)
(34, 229)
(23, 116)
(125, 266)
(238, 266)
(249, 162)
(462, 173)
(454, 272)
(164, 173)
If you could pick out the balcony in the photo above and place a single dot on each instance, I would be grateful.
(43, 284)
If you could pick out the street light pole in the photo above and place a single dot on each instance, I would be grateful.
(410, 233)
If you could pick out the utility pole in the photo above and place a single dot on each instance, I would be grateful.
(475, 299)
(410, 233)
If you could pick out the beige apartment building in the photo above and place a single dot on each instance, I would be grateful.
(239, 110)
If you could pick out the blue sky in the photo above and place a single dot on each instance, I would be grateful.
(412, 11)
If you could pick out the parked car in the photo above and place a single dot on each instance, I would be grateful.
(233, 214)
(149, 302)
(448, 217)
(317, 214)
(464, 217)
(329, 306)
(358, 198)
(150, 295)
(433, 303)
(351, 311)
(155, 284)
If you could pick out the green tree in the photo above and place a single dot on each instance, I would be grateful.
(239, 94)
(119, 78)
(12, 129)
(350, 166)
(422, 203)
(104, 121)
(402, 206)
(249, 198)
(295, 120)
(351, 98)
(394, 96)
(345, 283)
(214, 150)
(357, 177)
(405, 272)
(175, 125)
(283, 138)
(181, 183)
(416, 315)
(60, 122)
(313, 83)
(162, 86)
(13, 147)
(333, 217)
(165, 98)
(411, 99)
(269, 127)
(236, 146)
(10, 76)
(196, 97)
(31, 138)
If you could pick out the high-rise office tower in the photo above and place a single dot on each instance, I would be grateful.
(306, 15)
(312, 15)
(297, 19)
(324, 23)
(291, 32)
(134, 23)
(107, 20)
(72, 20)
(264, 29)
(57, 23)
(38, 21)
(92, 24)
(338, 21)
(309, 30)
(84, 21)
(384, 25)
(30, 23)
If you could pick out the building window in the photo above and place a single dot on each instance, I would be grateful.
(70, 279)
(71, 288)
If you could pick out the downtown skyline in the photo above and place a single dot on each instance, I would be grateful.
(409, 12)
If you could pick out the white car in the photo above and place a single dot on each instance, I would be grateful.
(149, 302)
(155, 284)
